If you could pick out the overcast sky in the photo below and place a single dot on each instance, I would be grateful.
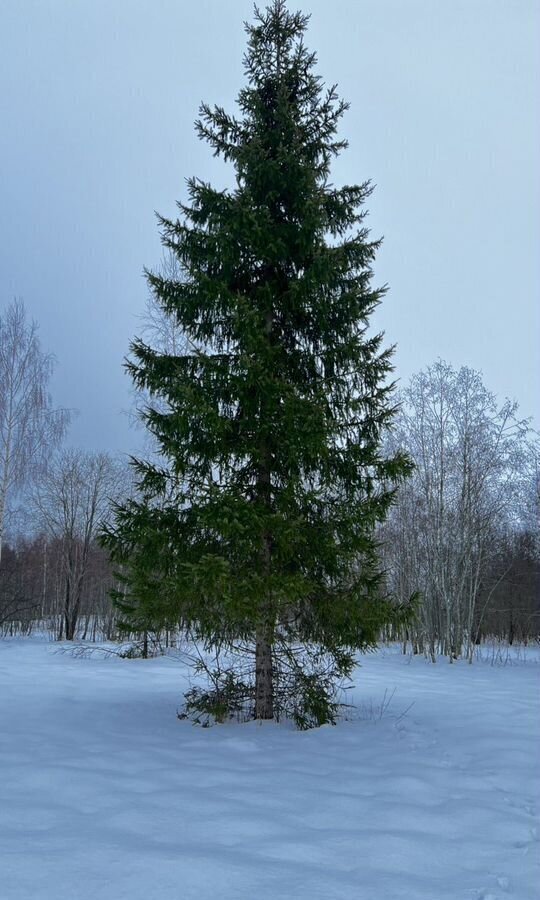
(97, 102)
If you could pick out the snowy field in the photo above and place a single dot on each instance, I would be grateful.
(106, 795)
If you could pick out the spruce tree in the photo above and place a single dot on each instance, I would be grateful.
(257, 529)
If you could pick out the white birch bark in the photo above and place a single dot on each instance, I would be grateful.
(29, 426)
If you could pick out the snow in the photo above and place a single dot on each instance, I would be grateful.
(106, 795)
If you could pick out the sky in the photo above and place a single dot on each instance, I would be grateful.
(97, 104)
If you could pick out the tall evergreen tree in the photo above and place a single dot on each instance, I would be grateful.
(259, 526)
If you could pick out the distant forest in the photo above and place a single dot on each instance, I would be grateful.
(464, 530)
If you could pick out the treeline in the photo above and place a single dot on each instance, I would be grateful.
(57, 576)
(53, 501)
(463, 532)
(35, 593)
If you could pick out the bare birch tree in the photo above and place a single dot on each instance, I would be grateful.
(72, 501)
(470, 457)
(158, 326)
(30, 428)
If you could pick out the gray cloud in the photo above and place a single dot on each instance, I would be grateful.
(97, 104)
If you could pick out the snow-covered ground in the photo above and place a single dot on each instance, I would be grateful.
(106, 795)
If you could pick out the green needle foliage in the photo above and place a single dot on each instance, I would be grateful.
(257, 532)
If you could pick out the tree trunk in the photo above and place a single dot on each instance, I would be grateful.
(264, 642)
(71, 609)
(264, 636)
(67, 609)
(70, 628)
(264, 675)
